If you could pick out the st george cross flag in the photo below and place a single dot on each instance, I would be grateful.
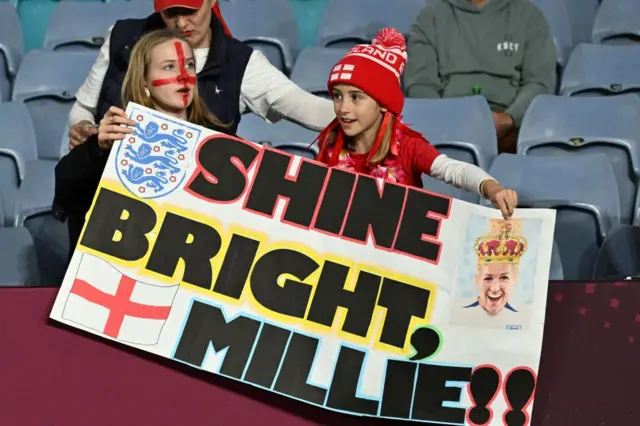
(116, 305)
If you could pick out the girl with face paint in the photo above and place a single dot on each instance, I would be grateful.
(162, 76)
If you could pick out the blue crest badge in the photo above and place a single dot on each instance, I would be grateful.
(153, 161)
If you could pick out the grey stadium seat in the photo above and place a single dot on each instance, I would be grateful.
(584, 218)
(47, 83)
(561, 126)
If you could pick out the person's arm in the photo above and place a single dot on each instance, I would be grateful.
(80, 112)
(425, 158)
(270, 94)
(87, 95)
(473, 179)
(421, 77)
(460, 174)
(538, 68)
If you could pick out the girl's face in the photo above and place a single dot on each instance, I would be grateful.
(193, 24)
(171, 76)
(357, 112)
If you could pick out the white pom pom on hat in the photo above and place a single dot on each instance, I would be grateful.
(390, 38)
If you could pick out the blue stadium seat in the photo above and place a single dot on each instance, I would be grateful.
(582, 13)
(33, 206)
(349, 22)
(18, 259)
(47, 83)
(462, 127)
(34, 15)
(11, 48)
(619, 256)
(560, 126)
(559, 21)
(268, 26)
(313, 67)
(601, 70)
(17, 149)
(283, 135)
(78, 25)
(308, 14)
(581, 188)
(617, 22)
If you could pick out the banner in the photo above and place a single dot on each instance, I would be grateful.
(328, 287)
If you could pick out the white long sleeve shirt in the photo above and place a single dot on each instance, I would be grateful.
(264, 90)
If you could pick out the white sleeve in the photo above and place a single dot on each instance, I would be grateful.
(80, 112)
(270, 94)
(459, 174)
(89, 92)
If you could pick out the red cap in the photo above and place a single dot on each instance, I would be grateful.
(161, 5)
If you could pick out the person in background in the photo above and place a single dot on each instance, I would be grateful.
(368, 136)
(232, 77)
(162, 76)
(501, 49)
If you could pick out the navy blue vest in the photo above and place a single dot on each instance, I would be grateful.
(219, 80)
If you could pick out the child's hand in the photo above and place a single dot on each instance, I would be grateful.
(504, 199)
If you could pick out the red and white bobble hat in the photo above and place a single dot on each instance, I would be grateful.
(376, 69)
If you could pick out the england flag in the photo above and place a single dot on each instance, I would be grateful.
(116, 305)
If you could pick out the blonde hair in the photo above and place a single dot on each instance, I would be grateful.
(385, 145)
(134, 81)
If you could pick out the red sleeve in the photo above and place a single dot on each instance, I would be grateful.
(417, 155)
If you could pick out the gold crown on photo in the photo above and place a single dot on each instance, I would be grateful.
(502, 247)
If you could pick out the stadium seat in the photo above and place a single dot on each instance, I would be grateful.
(47, 83)
(601, 70)
(586, 203)
(34, 16)
(18, 259)
(266, 26)
(11, 48)
(349, 22)
(560, 126)
(50, 236)
(582, 14)
(555, 271)
(308, 14)
(617, 22)
(557, 16)
(619, 256)
(283, 135)
(65, 33)
(17, 150)
(313, 67)
(462, 127)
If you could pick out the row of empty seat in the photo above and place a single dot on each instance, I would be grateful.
(47, 82)
(271, 24)
(579, 155)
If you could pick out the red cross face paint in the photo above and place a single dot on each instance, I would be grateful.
(182, 80)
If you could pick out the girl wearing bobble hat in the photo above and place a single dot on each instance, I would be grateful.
(369, 137)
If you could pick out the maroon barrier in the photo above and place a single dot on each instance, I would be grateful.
(53, 375)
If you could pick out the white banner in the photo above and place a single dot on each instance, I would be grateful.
(328, 287)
